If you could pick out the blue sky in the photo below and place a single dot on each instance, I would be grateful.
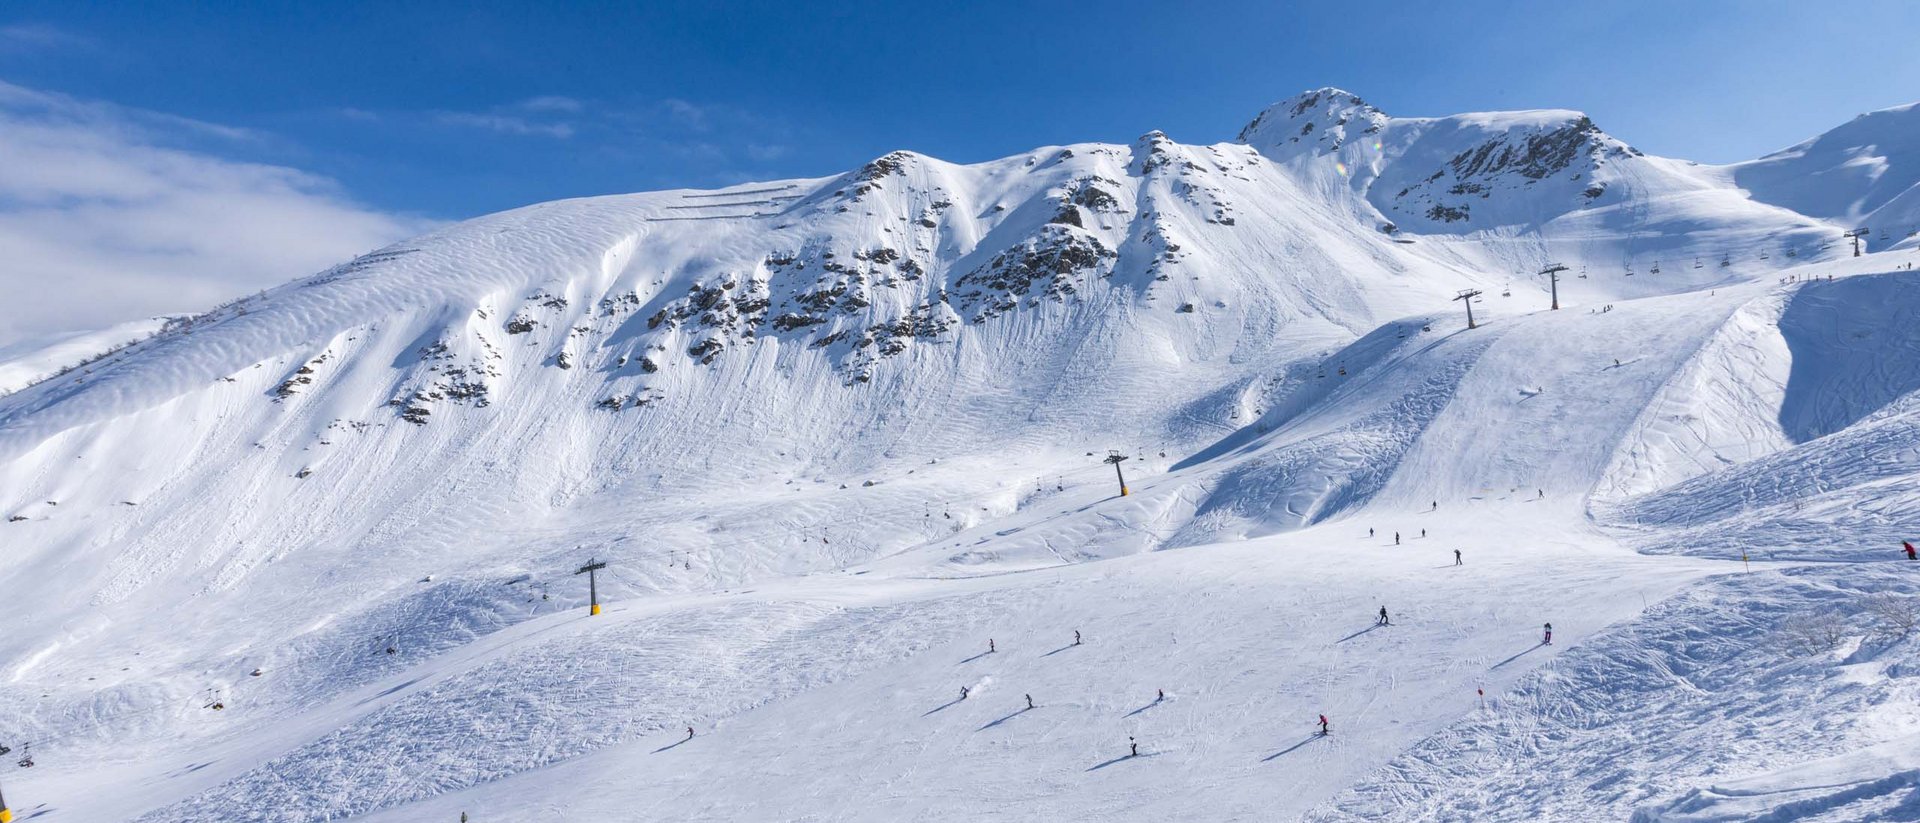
(457, 109)
(365, 120)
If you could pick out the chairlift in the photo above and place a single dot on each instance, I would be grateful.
(26, 755)
(1793, 252)
(1697, 263)
(1583, 271)
(4, 748)
(1726, 260)
(1343, 371)
(1629, 269)
(1506, 290)
(1765, 256)
(1655, 269)
(213, 701)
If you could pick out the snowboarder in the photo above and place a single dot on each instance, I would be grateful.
(1133, 747)
(1547, 640)
(1029, 701)
(1323, 726)
(1909, 547)
(1076, 637)
(1456, 558)
(1382, 619)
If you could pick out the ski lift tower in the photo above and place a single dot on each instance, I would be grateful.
(1116, 458)
(593, 588)
(1552, 272)
(1466, 296)
(1856, 236)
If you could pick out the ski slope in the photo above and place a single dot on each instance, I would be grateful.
(833, 435)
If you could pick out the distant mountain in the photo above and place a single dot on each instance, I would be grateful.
(1866, 172)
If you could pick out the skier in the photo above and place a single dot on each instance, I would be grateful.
(1436, 505)
(1382, 620)
(1396, 538)
(1423, 534)
(990, 648)
(963, 692)
(1909, 548)
(1133, 747)
(1076, 637)
(1456, 558)
(1159, 695)
(1542, 494)
(463, 817)
(1323, 726)
(1547, 640)
(1029, 701)
(1369, 531)
(689, 732)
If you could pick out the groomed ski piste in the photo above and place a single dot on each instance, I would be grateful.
(842, 443)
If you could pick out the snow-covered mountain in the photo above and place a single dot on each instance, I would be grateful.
(823, 429)
(1864, 173)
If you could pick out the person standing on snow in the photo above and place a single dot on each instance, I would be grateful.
(1456, 558)
(990, 648)
(1547, 640)
(1382, 619)
(1396, 538)
(1029, 701)
(1076, 637)
(1323, 726)
(1133, 747)
(689, 732)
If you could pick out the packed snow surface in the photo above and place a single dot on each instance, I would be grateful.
(843, 444)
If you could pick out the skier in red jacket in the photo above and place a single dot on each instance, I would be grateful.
(1909, 548)
(1323, 724)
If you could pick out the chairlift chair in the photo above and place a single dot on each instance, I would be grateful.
(26, 755)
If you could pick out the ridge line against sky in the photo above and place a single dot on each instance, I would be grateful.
(165, 157)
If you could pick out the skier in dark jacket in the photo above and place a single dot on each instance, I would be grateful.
(1382, 619)
(1547, 640)
(1456, 558)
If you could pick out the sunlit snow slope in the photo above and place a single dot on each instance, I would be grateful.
(833, 435)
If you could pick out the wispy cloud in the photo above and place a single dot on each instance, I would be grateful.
(106, 216)
(23, 37)
(505, 124)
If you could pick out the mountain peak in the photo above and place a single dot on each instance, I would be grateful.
(1319, 116)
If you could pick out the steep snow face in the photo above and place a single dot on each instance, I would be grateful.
(1446, 174)
(1552, 177)
(1862, 173)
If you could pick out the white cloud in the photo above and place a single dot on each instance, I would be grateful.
(101, 222)
(551, 102)
(506, 124)
(21, 37)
